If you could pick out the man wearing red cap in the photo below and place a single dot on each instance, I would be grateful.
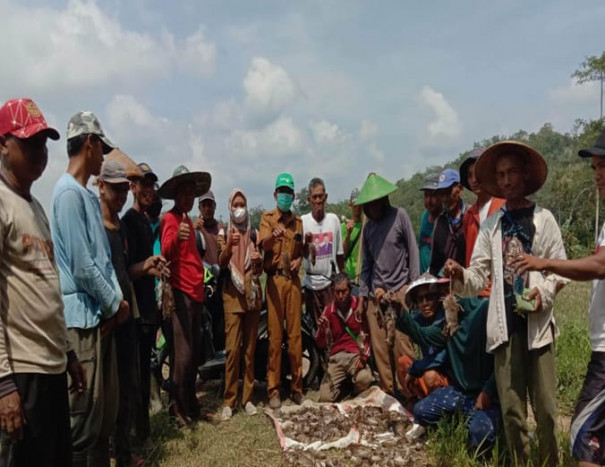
(35, 350)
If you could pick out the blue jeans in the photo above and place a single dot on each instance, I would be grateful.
(482, 424)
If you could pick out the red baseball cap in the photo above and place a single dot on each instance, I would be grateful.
(22, 118)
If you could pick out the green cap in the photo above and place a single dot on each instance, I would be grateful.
(375, 187)
(284, 179)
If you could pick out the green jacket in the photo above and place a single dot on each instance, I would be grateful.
(469, 367)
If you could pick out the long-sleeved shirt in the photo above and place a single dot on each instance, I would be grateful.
(186, 268)
(90, 287)
(488, 260)
(342, 341)
(448, 241)
(33, 335)
(390, 253)
(469, 367)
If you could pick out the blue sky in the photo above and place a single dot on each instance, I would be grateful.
(325, 88)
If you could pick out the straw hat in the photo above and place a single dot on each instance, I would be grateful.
(536, 167)
(375, 187)
(426, 280)
(131, 168)
(181, 175)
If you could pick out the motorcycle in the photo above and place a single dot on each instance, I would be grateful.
(314, 361)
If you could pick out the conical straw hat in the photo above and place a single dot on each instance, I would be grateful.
(375, 187)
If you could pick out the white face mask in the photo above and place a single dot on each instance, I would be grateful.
(239, 215)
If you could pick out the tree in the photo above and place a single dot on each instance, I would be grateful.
(592, 69)
(255, 214)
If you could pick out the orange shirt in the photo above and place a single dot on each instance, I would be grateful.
(470, 226)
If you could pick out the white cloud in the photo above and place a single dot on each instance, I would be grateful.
(327, 133)
(83, 46)
(197, 56)
(445, 124)
(280, 138)
(269, 88)
(376, 153)
(368, 130)
(575, 93)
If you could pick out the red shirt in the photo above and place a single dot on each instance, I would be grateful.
(341, 340)
(186, 268)
(470, 227)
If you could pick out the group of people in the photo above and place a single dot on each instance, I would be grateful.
(83, 296)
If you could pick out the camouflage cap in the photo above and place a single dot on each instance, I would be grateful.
(113, 172)
(86, 123)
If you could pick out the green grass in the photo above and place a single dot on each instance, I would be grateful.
(447, 444)
(251, 441)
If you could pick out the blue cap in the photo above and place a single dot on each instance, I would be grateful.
(447, 178)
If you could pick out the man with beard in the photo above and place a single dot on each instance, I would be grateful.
(340, 331)
(94, 303)
(390, 263)
(140, 247)
(35, 349)
(323, 250)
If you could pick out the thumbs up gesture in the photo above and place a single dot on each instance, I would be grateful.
(234, 237)
(184, 231)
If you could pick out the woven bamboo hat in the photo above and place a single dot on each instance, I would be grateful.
(536, 167)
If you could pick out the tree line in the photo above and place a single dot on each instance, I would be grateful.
(569, 190)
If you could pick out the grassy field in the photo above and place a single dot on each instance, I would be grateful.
(251, 441)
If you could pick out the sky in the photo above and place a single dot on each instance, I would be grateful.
(320, 88)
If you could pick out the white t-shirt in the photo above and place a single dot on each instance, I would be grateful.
(327, 237)
(596, 311)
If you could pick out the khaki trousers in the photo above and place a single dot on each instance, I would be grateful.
(94, 412)
(241, 332)
(284, 302)
(520, 371)
(380, 349)
(341, 367)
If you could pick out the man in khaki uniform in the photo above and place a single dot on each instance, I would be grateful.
(281, 240)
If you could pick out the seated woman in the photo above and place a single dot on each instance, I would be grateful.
(242, 301)
(424, 375)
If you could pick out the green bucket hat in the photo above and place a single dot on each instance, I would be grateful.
(180, 175)
(284, 179)
(375, 187)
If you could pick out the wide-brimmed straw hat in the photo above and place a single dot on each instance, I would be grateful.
(131, 168)
(182, 175)
(426, 280)
(375, 187)
(535, 166)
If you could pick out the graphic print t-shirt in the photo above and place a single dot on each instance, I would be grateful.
(517, 236)
(327, 238)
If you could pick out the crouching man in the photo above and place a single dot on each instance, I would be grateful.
(347, 340)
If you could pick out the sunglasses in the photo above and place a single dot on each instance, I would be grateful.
(428, 297)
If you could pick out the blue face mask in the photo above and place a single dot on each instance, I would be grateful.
(284, 201)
